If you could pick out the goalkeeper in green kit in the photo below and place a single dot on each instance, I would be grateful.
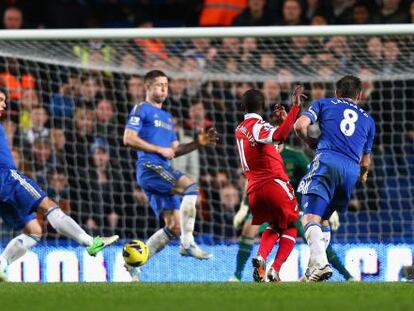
(296, 164)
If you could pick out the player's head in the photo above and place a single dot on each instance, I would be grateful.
(253, 101)
(156, 86)
(349, 87)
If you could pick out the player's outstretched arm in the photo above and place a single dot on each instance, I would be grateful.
(283, 131)
(210, 137)
(131, 139)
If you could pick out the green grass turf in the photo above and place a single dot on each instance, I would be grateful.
(207, 296)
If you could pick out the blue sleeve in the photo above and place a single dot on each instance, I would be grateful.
(313, 111)
(136, 118)
(370, 138)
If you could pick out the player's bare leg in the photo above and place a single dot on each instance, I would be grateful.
(66, 226)
(189, 190)
(321, 269)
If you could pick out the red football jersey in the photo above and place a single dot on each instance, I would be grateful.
(257, 143)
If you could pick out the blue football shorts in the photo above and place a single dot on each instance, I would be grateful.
(158, 181)
(332, 177)
(19, 198)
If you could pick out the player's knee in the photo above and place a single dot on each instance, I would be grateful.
(34, 229)
(174, 228)
(46, 204)
(192, 189)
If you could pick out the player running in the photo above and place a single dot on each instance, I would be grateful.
(20, 199)
(342, 156)
(270, 194)
(150, 131)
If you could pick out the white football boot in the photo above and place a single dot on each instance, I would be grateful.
(320, 274)
(194, 251)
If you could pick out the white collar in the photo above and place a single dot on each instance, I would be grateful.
(252, 116)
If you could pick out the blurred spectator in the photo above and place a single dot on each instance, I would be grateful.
(43, 160)
(77, 142)
(392, 61)
(271, 90)
(197, 120)
(319, 20)
(106, 125)
(223, 220)
(62, 104)
(201, 50)
(105, 182)
(292, 13)
(13, 18)
(268, 62)
(285, 79)
(250, 54)
(129, 62)
(58, 139)
(317, 8)
(361, 14)
(58, 188)
(136, 91)
(392, 12)
(221, 13)
(91, 91)
(342, 11)
(300, 49)
(338, 46)
(318, 91)
(38, 129)
(29, 100)
(20, 162)
(374, 57)
(255, 15)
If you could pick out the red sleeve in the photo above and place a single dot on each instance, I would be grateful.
(285, 128)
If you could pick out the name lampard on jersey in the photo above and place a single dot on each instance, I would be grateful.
(337, 101)
(243, 130)
(159, 123)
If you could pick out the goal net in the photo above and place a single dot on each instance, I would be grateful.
(70, 97)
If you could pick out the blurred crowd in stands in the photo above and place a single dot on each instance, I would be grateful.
(66, 124)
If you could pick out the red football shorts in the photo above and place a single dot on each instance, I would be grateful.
(274, 202)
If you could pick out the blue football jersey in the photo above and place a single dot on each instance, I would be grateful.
(345, 127)
(153, 125)
(6, 158)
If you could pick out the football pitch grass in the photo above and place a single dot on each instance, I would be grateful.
(207, 296)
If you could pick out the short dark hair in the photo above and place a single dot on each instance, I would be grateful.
(253, 101)
(153, 74)
(348, 87)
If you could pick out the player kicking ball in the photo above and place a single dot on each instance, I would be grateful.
(20, 199)
(342, 157)
(271, 196)
(150, 130)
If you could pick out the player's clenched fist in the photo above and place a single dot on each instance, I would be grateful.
(208, 138)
